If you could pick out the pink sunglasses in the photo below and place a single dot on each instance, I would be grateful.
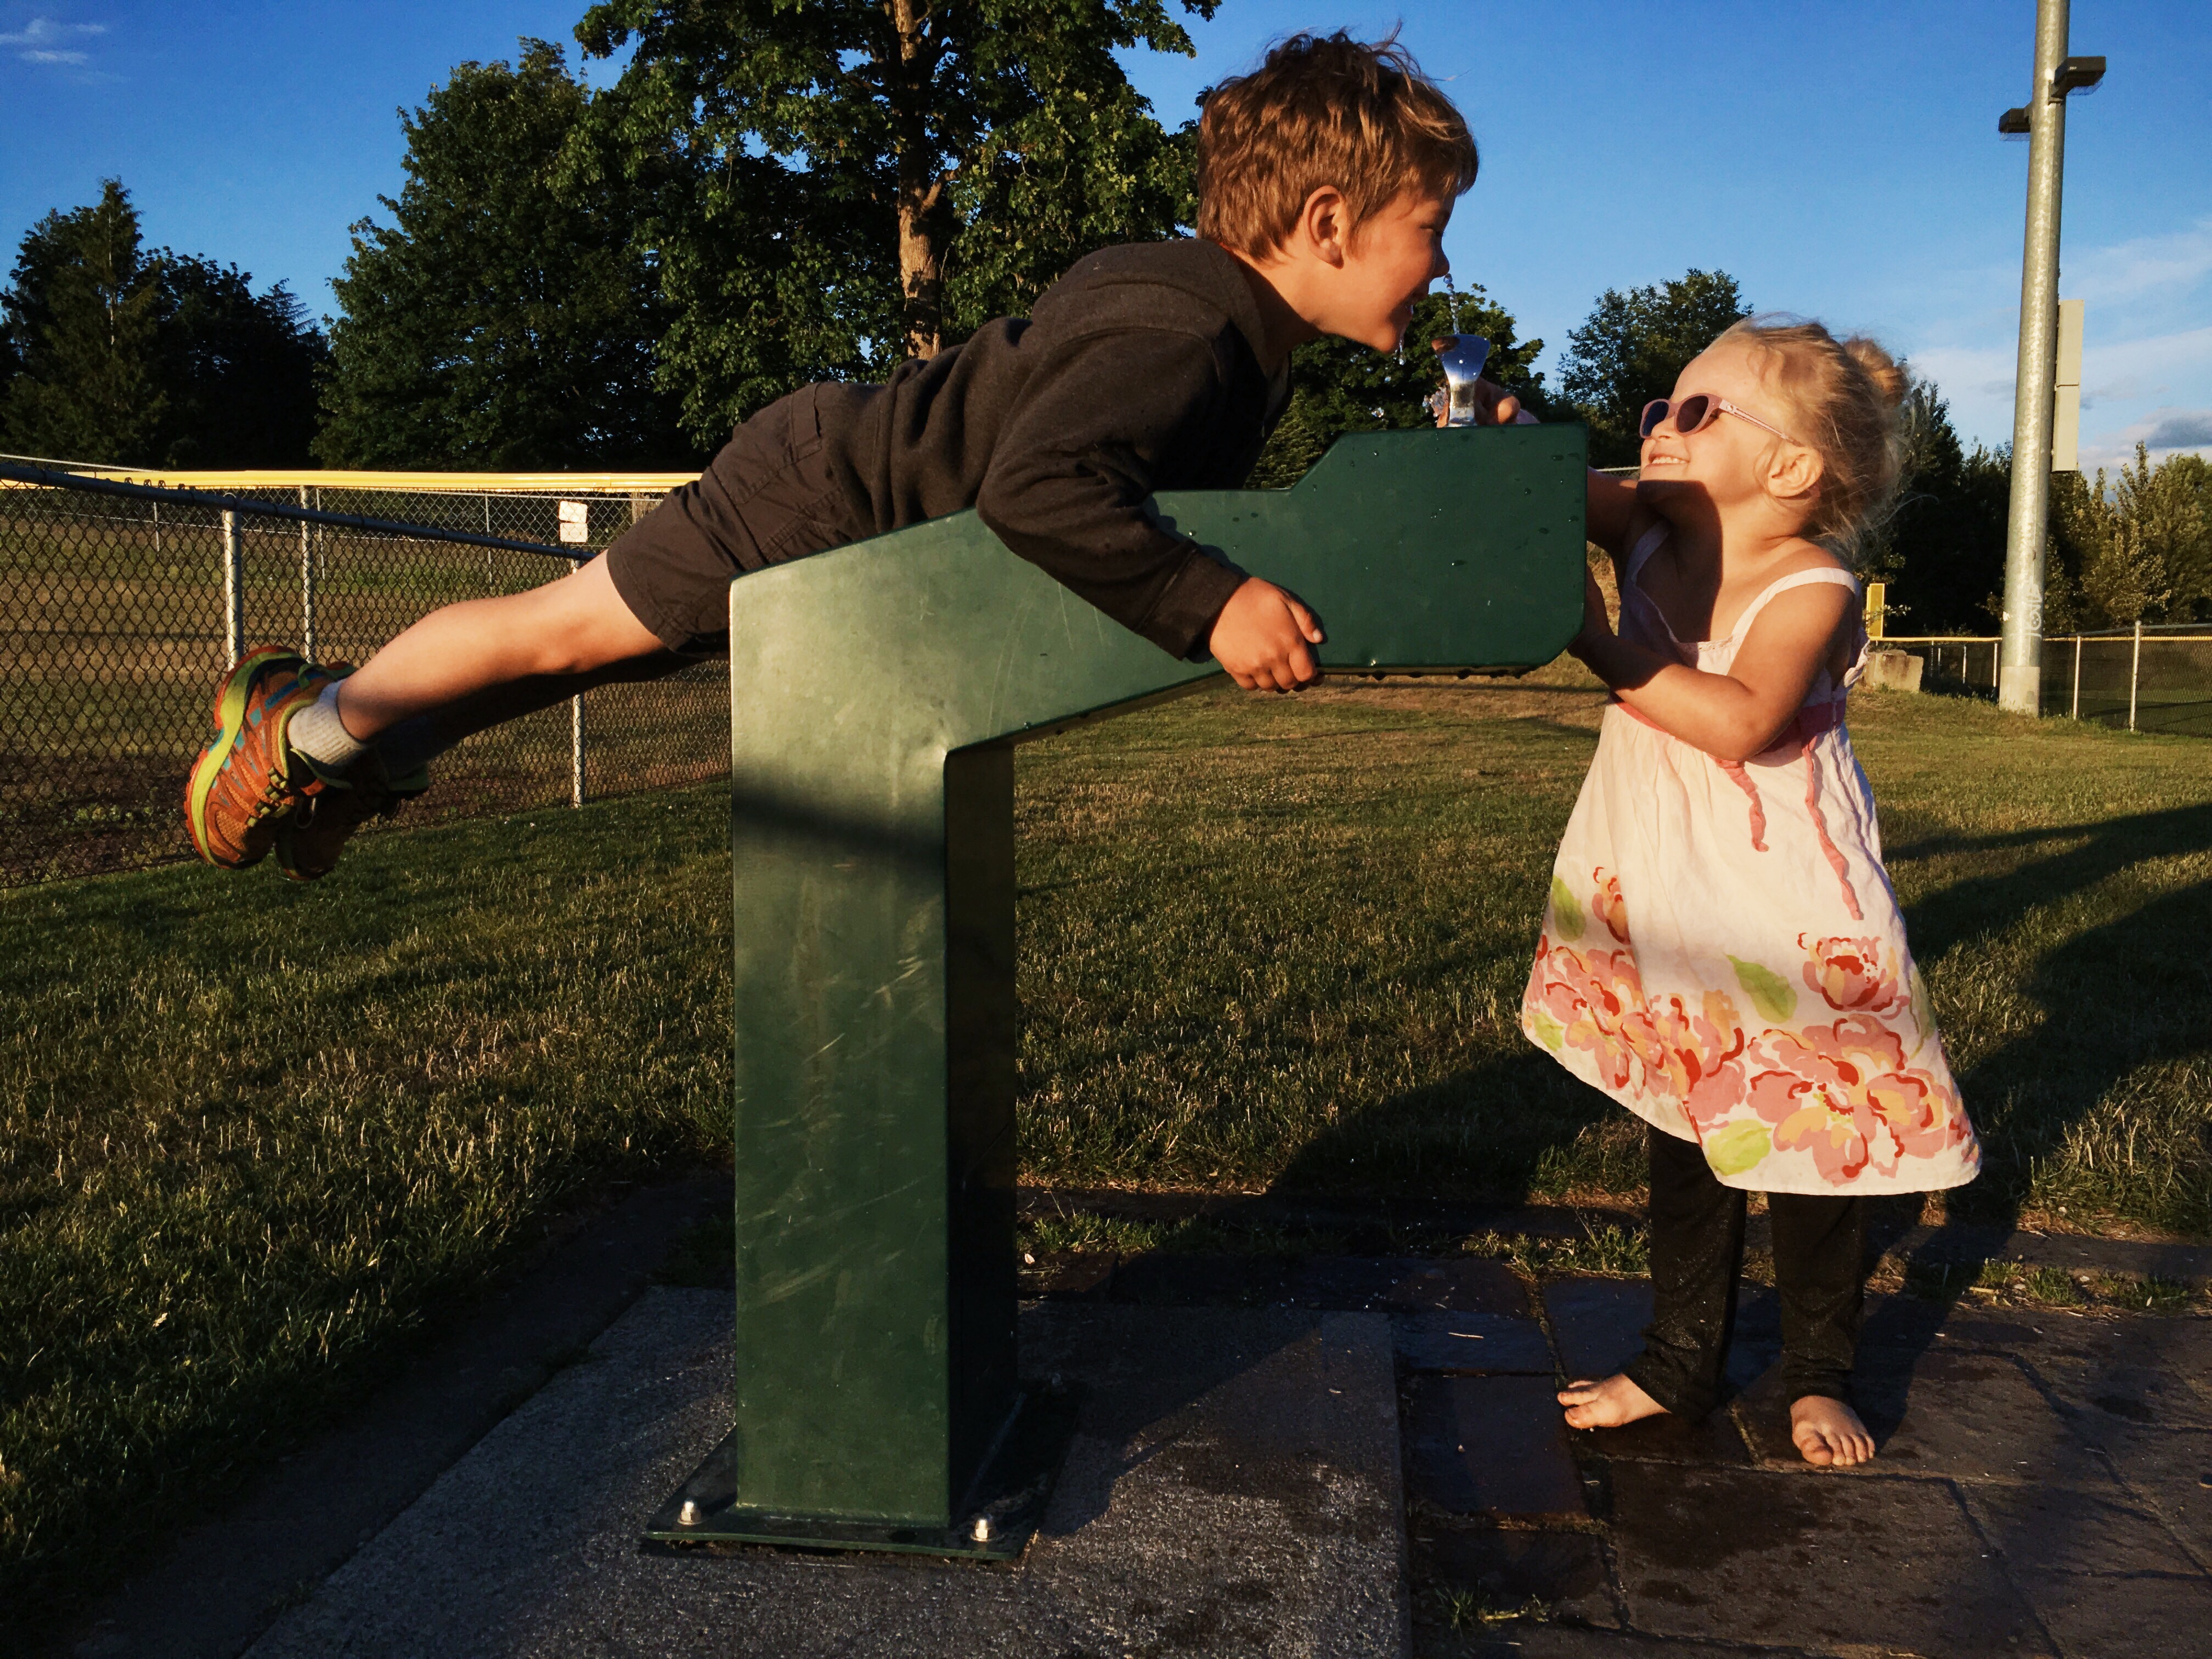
(1697, 412)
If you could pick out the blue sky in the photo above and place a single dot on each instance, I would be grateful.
(1839, 158)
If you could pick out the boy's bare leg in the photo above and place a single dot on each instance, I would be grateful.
(1611, 1404)
(485, 661)
(498, 704)
(1828, 1433)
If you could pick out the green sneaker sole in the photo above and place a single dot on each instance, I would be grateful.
(231, 698)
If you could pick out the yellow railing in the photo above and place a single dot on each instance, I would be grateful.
(474, 483)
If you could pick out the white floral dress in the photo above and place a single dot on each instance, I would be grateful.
(1723, 954)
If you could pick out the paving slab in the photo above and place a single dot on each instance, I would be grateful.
(1486, 1342)
(1813, 1562)
(1465, 1283)
(2169, 1468)
(2044, 1529)
(1713, 1440)
(2135, 1369)
(1199, 1279)
(1490, 1446)
(1508, 1569)
(1970, 1416)
(2141, 1616)
(1233, 1488)
(1522, 1639)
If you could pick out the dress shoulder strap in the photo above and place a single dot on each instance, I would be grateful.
(1826, 575)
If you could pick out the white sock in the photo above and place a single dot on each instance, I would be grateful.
(318, 732)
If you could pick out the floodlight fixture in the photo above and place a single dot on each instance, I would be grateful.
(2013, 124)
(2077, 75)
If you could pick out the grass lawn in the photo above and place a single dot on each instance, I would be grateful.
(252, 1135)
(1282, 945)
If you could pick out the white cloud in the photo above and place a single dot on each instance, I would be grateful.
(2129, 270)
(44, 31)
(2131, 388)
(45, 42)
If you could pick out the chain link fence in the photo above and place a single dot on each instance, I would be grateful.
(2152, 678)
(118, 612)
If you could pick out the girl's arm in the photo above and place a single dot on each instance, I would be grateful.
(1608, 504)
(1731, 716)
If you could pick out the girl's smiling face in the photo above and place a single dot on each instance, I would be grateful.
(1732, 460)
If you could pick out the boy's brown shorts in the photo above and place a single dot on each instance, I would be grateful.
(774, 493)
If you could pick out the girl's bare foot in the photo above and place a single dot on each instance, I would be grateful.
(1828, 1432)
(1607, 1404)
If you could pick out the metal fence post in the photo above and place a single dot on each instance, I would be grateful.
(2135, 673)
(233, 589)
(576, 749)
(2077, 677)
(307, 583)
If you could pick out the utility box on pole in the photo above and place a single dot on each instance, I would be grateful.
(2066, 402)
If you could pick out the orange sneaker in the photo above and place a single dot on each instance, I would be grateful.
(246, 782)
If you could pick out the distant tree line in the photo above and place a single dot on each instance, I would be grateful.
(770, 194)
(2138, 548)
(110, 351)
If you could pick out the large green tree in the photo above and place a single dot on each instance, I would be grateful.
(844, 183)
(1339, 385)
(239, 370)
(83, 312)
(1633, 345)
(2136, 548)
(507, 317)
(150, 357)
(1942, 551)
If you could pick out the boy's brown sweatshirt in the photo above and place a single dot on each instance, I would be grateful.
(1138, 371)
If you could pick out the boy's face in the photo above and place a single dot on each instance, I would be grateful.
(1388, 260)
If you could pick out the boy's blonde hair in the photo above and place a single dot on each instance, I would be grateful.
(1323, 110)
(1845, 398)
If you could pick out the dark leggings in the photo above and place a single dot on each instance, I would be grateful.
(1697, 1254)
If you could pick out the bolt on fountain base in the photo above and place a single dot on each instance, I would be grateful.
(1001, 1514)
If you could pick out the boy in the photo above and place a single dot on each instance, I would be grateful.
(1325, 178)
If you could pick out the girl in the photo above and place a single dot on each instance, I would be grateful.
(1722, 952)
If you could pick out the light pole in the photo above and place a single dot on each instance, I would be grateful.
(2020, 672)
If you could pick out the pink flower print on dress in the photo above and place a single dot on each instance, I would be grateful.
(1592, 999)
(1607, 906)
(1697, 1057)
(1844, 1093)
(1854, 975)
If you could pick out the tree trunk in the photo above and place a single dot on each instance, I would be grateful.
(920, 185)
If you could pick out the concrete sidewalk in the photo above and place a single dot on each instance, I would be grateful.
(1362, 1456)
(1233, 1488)
(2044, 1485)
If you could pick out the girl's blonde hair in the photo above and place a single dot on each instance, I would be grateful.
(1846, 399)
